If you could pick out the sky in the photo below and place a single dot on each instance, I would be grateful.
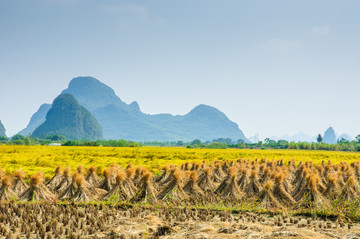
(273, 67)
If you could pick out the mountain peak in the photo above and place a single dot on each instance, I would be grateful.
(209, 119)
(203, 109)
(120, 120)
(67, 117)
(330, 136)
(85, 83)
(330, 129)
(92, 93)
(135, 106)
(64, 101)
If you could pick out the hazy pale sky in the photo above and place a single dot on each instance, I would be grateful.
(274, 67)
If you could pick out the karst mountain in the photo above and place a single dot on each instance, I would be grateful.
(67, 117)
(2, 129)
(119, 120)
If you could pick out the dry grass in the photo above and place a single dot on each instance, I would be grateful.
(36, 179)
(120, 221)
(180, 204)
(6, 181)
(241, 184)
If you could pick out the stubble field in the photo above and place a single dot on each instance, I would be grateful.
(155, 192)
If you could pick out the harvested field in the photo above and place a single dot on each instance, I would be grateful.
(44, 220)
(217, 199)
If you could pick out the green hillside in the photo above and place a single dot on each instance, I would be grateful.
(67, 117)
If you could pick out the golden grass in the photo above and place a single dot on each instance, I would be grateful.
(31, 159)
(120, 177)
(6, 181)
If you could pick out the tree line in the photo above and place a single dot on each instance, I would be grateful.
(61, 140)
(220, 143)
(341, 145)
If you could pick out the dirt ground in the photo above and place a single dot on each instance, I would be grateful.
(83, 221)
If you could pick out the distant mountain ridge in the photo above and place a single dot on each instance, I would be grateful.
(2, 129)
(299, 137)
(120, 120)
(36, 120)
(329, 137)
(346, 137)
(67, 117)
(302, 137)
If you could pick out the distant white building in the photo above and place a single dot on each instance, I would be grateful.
(55, 144)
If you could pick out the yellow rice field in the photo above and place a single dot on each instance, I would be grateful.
(31, 159)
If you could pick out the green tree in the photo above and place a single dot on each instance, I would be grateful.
(180, 143)
(358, 138)
(342, 141)
(267, 140)
(240, 141)
(56, 137)
(319, 139)
(283, 144)
(293, 145)
(227, 141)
(3, 138)
(196, 142)
(27, 140)
(17, 137)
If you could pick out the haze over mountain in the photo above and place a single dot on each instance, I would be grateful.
(329, 136)
(67, 117)
(346, 137)
(300, 137)
(126, 121)
(36, 120)
(2, 129)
